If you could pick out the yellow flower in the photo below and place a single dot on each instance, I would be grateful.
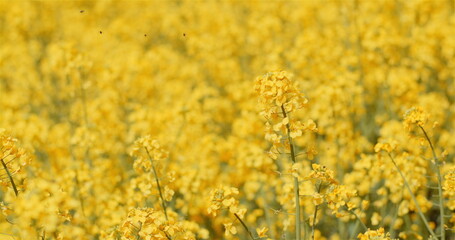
(229, 229)
(311, 152)
(168, 193)
(228, 202)
(376, 218)
(262, 232)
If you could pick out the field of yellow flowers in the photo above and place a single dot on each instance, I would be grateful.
(185, 120)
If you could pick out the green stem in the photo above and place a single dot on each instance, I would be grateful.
(138, 237)
(163, 203)
(438, 172)
(359, 220)
(10, 177)
(297, 208)
(244, 226)
(296, 180)
(266, 211)
(78, 188)
(427, 225)
(315, 214)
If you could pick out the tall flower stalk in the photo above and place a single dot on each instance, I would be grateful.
(280, 98)
(154, 152)
(439, 176)
(417, 117)
(388, 148)
(415, 120)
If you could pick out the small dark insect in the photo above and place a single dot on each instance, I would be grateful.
(145, 35)
(101, 32)
(82, 11)
(184, 34)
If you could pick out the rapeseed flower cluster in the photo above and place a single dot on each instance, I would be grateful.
(14, 160)
(330, 191)
(375, 235)
(147, 224)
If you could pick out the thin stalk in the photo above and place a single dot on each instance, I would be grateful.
(78, 188)
(297, 208)
(315, 214)
(84, 102)
(359, 220)
(353, 230)
(244, 226)
(438, 172)
(9, 221)
(138, 237)
(288, 127)
(9, 154)
(163, 204)
(357, 223)
(167, 235)
(10, 177)
(267, 212)
(296, 180)
(76, 180)
(427, 225)
(83, 93)
(314, 221)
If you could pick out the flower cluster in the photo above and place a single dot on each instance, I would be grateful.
(148, 224)
(146, 150)
(449, 191)
(276, 90)
(321, 175)
(386, 146)
(225, 198)
(374, 235)
(449, 183)
(415, 116)
(279, 99)
(337, 196)
(53, 213)
(13, 161)
(152, 180)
